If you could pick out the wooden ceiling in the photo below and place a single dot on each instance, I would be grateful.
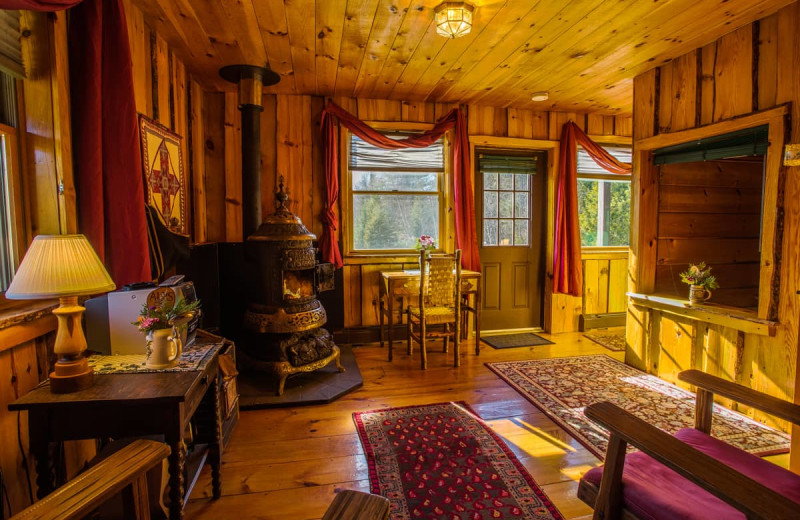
(584, 52)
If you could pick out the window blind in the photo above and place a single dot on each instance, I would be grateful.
(744, 143)
(507, 163)
(364, 156)
(586, 164)
(10, 46)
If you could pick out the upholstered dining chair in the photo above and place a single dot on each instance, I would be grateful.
(438, 311)
(690, 475)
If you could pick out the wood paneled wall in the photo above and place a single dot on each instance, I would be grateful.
(291, 147)
(711, 211)
(753, 68)
(605, 281)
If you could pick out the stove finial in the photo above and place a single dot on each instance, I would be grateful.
(281, 196)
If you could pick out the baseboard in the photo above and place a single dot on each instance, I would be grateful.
(500, 332)
(601, 321)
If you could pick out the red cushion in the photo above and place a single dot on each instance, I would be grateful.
(652, 491)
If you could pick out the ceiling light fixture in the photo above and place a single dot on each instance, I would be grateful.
(453, 19)
(540, 96)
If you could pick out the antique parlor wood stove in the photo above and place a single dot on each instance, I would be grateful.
(285, 326)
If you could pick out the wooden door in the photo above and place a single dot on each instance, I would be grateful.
(511, 213)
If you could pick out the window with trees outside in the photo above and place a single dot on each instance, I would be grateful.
(396, 195)
(604, 201)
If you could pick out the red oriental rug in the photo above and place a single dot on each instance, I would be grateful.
(441, 461)
(563, 387)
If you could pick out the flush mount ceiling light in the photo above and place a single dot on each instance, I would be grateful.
(540, 96)
(453, 19)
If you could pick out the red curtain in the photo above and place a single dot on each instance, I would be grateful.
(39, 5)
(466, 237)
(105, 139)
(567, 267)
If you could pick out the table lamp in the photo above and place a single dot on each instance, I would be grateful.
(63, 267)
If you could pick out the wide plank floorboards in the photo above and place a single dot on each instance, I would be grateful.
(288, 463)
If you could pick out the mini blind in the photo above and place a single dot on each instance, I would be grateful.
(507, 163)
(364, 156)
(744, 143)
(587, 165)
(10, 47)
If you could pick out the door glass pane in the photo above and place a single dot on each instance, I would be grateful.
(521, 205)
(506, 204)
(521, 232)
(490, 232)
(522, 182)
(489, 204)
(506, 232)
(489, 181)
(506, 181)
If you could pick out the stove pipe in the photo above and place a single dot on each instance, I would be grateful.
(251, 79)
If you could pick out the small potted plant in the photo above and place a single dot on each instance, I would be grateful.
(700, 281)
(163, 344)
(425, 243)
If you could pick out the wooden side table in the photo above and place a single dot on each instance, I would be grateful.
(133, 405)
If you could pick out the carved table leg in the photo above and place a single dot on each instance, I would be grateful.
(177, 461)
(40, 449)
(215, 447)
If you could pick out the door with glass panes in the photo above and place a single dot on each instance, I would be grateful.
(510, 206)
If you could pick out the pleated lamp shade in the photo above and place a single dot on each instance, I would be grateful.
(59, 265)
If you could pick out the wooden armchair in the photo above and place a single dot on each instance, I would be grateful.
(689, 475)
(438, 312)
(122, 472)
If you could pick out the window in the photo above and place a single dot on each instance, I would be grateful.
(9, 153)
(396, 195)
(604, 201)
(506, 198)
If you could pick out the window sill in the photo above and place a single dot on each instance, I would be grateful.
(381, 258)
(588, 253)
(732, 317)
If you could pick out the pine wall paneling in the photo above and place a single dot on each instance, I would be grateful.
(750, 70)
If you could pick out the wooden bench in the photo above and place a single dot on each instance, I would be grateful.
(356, 505)
(122, 472)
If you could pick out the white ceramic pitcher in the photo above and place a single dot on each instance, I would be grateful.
(164, 347)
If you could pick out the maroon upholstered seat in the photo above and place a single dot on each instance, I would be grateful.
(653, 491)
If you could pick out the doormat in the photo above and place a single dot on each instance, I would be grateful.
(563, 387)
(614, 341)
(441, 461)
(525, 339)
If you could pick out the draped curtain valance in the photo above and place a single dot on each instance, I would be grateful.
(567, 267)
(466, 236)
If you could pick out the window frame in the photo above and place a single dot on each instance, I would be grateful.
(346, 198)
(607, 141)
(13, 181)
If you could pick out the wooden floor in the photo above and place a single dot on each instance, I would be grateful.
(288, 463)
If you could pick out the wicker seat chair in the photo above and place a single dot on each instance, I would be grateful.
(437, 314)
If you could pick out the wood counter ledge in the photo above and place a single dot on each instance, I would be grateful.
(739, 319)
(24, 320)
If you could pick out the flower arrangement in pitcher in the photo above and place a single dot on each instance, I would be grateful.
(163, 316)
(426, 243)
(699, 274)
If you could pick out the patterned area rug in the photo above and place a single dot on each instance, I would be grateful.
(441, 461)
(563, 387)
(614, 341)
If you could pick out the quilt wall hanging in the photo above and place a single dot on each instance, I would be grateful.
(165, 179)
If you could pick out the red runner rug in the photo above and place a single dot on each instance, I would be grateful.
(441, 461)
(563, 387)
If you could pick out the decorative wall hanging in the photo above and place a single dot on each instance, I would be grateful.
(164, 177)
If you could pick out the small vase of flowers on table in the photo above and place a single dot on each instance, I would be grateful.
(700, 281)
(164, 345)
(425, 243)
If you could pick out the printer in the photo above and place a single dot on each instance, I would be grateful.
(110, 318)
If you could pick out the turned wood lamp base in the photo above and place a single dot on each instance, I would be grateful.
(72, 371)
